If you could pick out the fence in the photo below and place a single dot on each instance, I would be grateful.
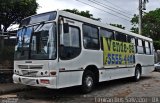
(7, 46)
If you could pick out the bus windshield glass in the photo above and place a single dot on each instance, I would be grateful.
(39, 18)
(36, 42)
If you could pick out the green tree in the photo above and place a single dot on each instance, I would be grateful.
(134, 22)
(150, 26)
(118, 25)
(15, 10)
(82, 13)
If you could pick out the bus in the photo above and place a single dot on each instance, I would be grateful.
(59, 49)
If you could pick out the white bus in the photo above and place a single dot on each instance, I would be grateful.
(59, 49)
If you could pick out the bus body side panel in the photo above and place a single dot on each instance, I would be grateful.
(118, 59)
(71, 71)
(146, 62)
(72, 75)
(116, 73)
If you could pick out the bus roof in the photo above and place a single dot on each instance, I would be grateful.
(94, 22)
(98, 23)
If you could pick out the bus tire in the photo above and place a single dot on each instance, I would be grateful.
(88, 81)
(137, 74)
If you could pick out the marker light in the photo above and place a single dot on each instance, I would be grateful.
(53, 73)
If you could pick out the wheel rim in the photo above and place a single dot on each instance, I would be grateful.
(137, 74)
(89, 81)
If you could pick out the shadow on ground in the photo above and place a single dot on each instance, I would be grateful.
(72, 92)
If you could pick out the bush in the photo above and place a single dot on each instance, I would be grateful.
(156, 45)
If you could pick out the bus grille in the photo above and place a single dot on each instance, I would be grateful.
(30, 66)
(29, 73)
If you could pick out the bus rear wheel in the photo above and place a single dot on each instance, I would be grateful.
(88, 81)
(137, 74)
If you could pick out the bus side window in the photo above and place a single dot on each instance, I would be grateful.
(91, 37)
(106, 34)
(131, 39)
(140, 47)
(151, 48)
(147, 46)
(120, 36)
(71, 47)
(136, 44)
(144, 46)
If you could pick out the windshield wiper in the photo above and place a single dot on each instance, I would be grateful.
(41, 24)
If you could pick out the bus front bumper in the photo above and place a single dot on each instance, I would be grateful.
(48, 82)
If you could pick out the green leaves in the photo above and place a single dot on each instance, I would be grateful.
(118, 25)
(82, 13)
(150, 26)
(15, 10)
(156, 44)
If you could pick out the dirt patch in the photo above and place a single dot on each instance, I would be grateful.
(146, 85)
(123, 93)
(156, 81)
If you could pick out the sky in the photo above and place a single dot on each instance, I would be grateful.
(110, 11)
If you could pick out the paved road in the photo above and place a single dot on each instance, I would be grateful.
(148, 86)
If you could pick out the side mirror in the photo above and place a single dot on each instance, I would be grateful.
(66, 28)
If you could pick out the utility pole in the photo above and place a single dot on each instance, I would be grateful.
(140, 17)
(142, 6)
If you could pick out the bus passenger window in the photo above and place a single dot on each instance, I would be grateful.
(144, 48)
(147, 46)
(131, 39)
(140, 47)
(71, 47)
(151, 48)
(106, 33)
(72, 38)
(90, 37)
(120, 36)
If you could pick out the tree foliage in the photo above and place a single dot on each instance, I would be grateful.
(15, 10)
(118, 25)
(134, 22)
(82, 13)
(150, 26)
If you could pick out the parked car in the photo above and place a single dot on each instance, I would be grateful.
(157, 66)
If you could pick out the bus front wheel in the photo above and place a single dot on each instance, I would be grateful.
(88, 81)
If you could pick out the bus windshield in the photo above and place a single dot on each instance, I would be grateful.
(49, 16)
(36, 42)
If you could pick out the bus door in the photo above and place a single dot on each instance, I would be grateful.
(70, 68)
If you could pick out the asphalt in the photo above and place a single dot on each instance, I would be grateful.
(11, 88)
